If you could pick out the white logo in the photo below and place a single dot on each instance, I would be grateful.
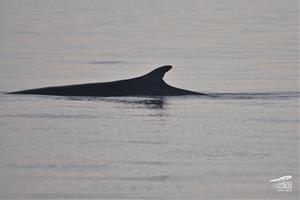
(283, 184)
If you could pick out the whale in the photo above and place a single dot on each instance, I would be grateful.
(150, 84)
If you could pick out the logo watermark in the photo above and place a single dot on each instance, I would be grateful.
(283, 184)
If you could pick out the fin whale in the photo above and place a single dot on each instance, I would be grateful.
(151, 84)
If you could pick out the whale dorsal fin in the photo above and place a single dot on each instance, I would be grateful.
(157, 74)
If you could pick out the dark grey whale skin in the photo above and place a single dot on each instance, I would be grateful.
(151, 84)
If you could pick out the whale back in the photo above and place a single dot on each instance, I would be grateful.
(150, 84)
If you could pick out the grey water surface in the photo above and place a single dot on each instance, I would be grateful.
(227, 145)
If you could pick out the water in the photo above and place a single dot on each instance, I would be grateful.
(224, 146)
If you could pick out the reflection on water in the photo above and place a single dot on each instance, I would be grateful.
(147, 102)
(155, 103)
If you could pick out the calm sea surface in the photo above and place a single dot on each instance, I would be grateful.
(227, 146)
